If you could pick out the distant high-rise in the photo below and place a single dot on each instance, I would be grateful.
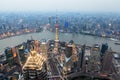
(4, 27)
(50, 20)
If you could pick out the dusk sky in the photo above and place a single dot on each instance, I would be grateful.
(61, 5)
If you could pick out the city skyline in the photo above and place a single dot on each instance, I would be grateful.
(61, 5)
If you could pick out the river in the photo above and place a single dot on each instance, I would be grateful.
(77, 38)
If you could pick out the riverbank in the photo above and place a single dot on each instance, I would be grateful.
(79, 39)
(83, 33)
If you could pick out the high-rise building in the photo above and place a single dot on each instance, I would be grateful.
(33, 68)
(81, 56)
(107, 67)
(104, 48)
(68, 51)
(9, 56)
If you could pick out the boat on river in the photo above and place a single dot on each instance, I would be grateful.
(117, 43)
(113, 39)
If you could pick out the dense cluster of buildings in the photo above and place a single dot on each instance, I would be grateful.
(56, 60)
(93, 24)
(39, 60)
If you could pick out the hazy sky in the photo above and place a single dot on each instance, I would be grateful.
(60, 5)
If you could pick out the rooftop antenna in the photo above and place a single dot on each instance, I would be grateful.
(56, 22)
(56, 35)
